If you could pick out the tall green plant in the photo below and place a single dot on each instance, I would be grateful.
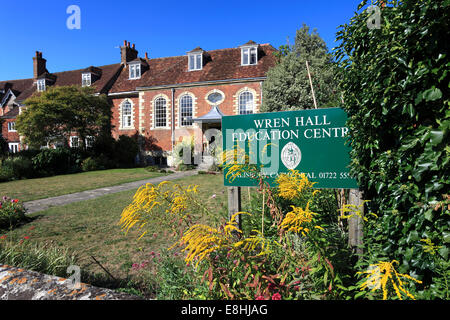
(395, 85)
(287, 86)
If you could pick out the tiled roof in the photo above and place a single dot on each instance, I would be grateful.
(223, 64)
(17, 86)
(11, 114)
(73, 77)
(198, 49)
(250, 43)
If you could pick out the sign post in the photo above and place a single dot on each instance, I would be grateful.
(234, 204)
(355, 223)
(313, 142)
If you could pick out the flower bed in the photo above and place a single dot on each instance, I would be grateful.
(12, 213)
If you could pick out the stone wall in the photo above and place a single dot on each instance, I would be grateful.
(19, 284)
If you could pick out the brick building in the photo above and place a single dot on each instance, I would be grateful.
(160, 100)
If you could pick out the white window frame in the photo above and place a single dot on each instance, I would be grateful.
(134, 71)
(12, 126)
(247, 110)
(40, 83)
(197, 63)
(126, 120)
(72, 144)
(86, 79)
(89, 142)
(248, 51)
(13, 147)
(156, 125)
(180, 103)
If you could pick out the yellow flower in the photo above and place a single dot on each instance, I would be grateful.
(293, 184)
(149, 198)
(298, 220)
(237, 162)
(252, 242)
(355, 211)
(429, 246)
(200, 240)
(380, 275)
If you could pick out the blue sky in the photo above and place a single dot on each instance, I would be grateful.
(162, 28)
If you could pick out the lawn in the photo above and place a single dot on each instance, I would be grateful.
(33, 189)
(90, 227)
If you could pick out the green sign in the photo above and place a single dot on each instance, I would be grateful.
(309, 141)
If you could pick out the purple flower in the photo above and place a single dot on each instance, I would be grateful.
(135, 266)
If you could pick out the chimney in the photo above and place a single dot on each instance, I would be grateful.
(146, 56)
(127, 53)
(39, 65)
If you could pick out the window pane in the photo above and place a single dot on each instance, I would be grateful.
(132, 75)
(74, 142)
(199, 62)
(253, 56)
(126, 114)
(160, 112)
(245, 56)
(186, 110)
(246, 103)
(191, 62)
(138, 71)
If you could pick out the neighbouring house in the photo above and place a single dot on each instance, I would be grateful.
(162, 100)
(14, 93)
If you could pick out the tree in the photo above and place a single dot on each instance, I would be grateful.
(287, 85)
(53, 115)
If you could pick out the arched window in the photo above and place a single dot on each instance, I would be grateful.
(186, 110)
(127, 115)
(246, 102)
(160, 112)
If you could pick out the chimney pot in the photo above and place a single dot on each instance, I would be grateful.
(132, 45)
(124, 43)
(146, 56)
(39, 65)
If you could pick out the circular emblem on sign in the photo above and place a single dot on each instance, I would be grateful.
(291, 155)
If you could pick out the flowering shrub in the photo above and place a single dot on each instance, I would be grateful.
(291, 258)
(12, 213)
(296, 249)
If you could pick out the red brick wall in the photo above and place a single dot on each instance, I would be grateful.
(161, 137)
(9, 136)
(116, 111)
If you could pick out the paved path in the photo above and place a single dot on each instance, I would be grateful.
(42, 204)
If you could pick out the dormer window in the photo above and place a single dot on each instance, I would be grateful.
(41, 85)
(249, 53)
(86, 80)
(135, 70)
(195, 61)
(249, 56)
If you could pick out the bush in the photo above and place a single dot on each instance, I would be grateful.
(17, 168)
(183, 152)
(53, 161)
(12, 213)
(40, 257)
(185, 167)
(126, 149)
(6, 173)
(93, 164)
(395, 84)
(152, 169)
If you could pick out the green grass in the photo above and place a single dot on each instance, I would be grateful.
(33, 189)
(90, 228)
